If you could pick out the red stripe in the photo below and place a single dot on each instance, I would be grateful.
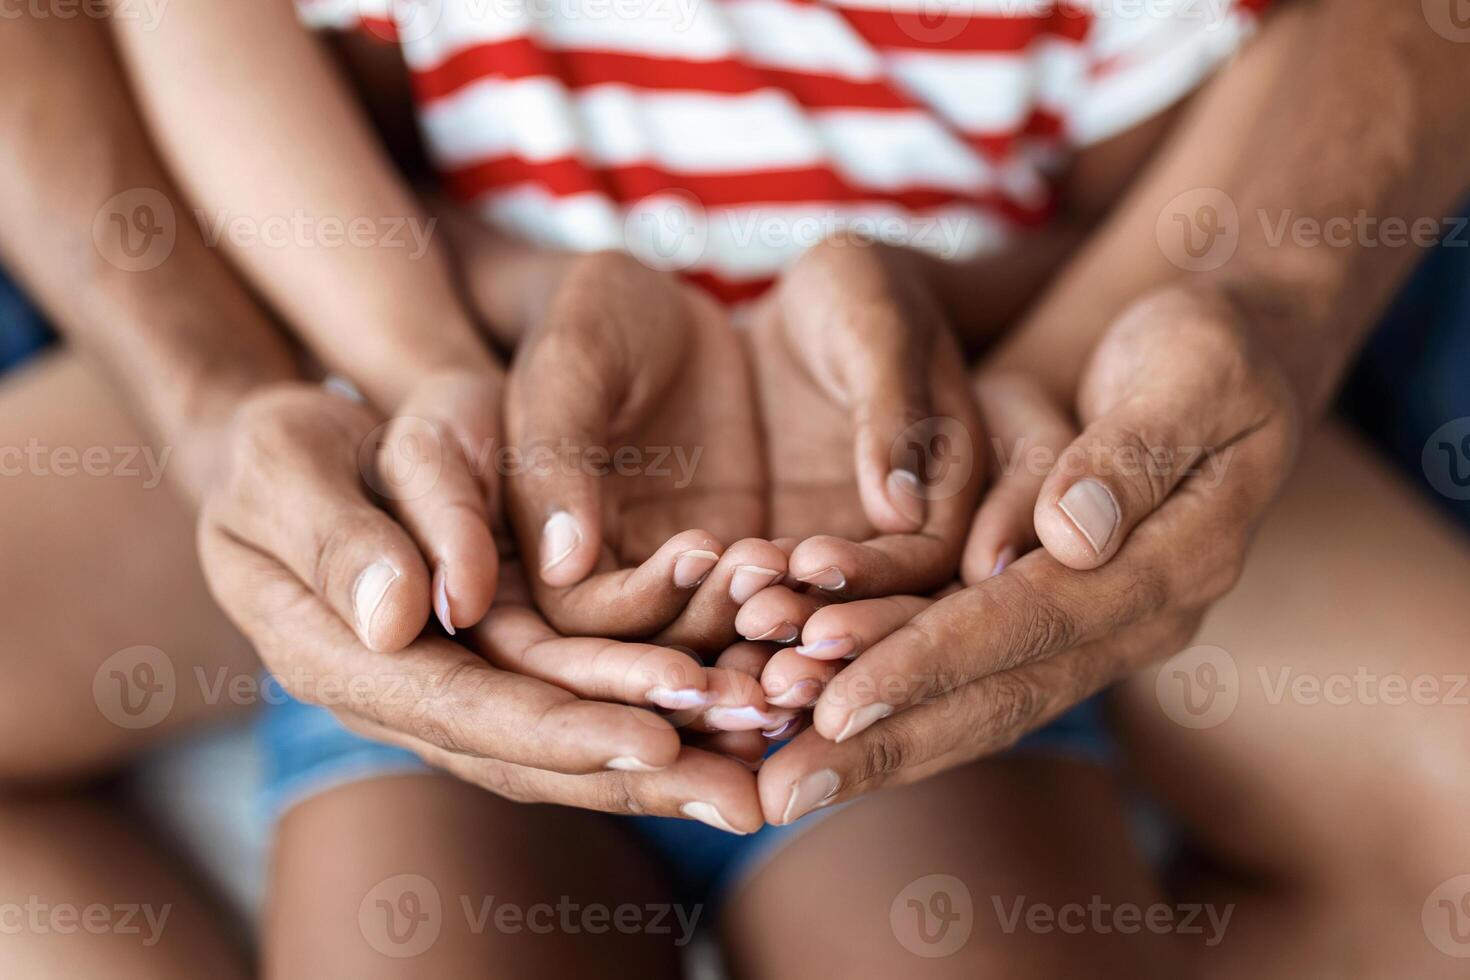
(947, 31)
(519, 58)
(1041, 124)
(628, 184)
(728, 291)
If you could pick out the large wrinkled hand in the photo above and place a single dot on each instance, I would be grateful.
(1190, 431)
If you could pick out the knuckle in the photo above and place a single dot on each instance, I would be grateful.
(437, 713)
(1014, 707)
(617, 796)
(884, 749)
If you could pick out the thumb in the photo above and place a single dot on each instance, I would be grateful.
(557, 411)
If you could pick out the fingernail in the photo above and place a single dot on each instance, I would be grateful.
(710, 814)
(559, 538)
(630, 763)
(780, 633)
(750, 579)
(799, 695)
(828, 649)
(1006, 556)
(811, 791)
(441, 599)
(830, 578)
(1092, 508)
(744, 718)
(863, 717)
(678, 699)
(906, 494)
(368, 592)
(691, 567)
(781, 729)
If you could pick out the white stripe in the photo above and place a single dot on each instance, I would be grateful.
(817, 40)
(687, 132)
(991, 93)
(738, 244)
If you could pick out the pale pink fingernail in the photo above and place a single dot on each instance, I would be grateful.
(781, 729)
(862, 718)
(750, 579)
(691, 567)
(1006, 556)
(678, 699)
(710, 814)
(906, 494)
(799, 695)
(559, 538)
(441, 599)
(368, 592)
(813, 790)
(744, 718)
(829, 579)
(1092, 508)
(780, 633)
(834, 649)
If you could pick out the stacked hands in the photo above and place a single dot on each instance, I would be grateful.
(660, 542)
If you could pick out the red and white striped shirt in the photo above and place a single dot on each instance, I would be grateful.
(722, 137)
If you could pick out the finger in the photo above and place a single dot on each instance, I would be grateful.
(1027, 433)
(434, 470)
(977, 720)
(299, 450)
(698, 785)
(943, 450)
(558, 405)
(518, 639)
(1186, 556)
(633, 602)
(747, 748)
(776, 614)
(739, 705)
(707, 622)
(791, 680)
(433, 690)
(841, 632)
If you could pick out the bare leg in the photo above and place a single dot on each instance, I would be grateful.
(853, 896)
(96, 564)
(425, 876)
(84, 894)
(1331, 801)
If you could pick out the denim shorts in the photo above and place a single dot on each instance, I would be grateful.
(305, 751)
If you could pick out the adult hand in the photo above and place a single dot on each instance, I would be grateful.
(871, 433)
(521, 709)
(1190, 432)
